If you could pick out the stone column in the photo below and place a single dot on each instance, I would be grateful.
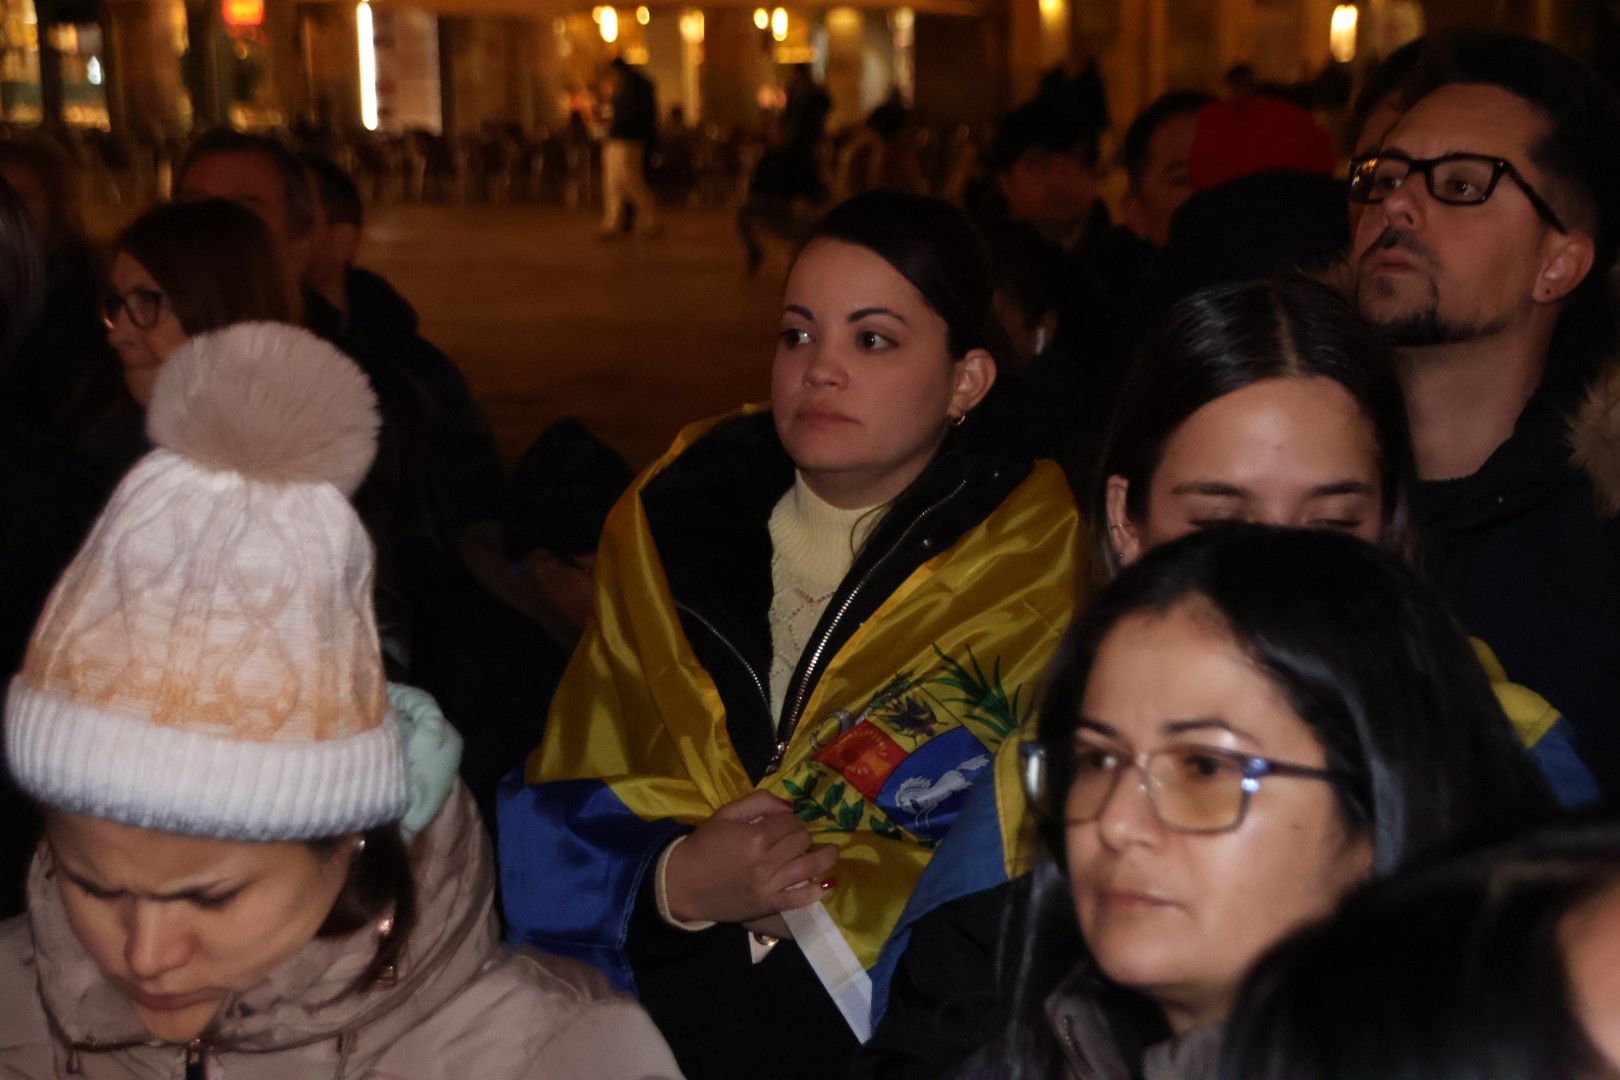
(143, 72)
(844, 66)
(961, 64)
(732, 66)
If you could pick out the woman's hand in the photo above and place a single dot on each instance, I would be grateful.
(751, 859)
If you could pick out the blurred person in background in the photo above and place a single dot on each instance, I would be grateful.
(632, 132)
(378, 320)
(1155, 155)
(416, 513)
(61, 378)
(48, 499)
(495, 661)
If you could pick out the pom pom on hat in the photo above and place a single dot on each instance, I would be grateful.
(208, 664)
(270, 401)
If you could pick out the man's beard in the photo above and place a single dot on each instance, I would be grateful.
(1424, 327)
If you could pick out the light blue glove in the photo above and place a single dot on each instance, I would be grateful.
(432, 754)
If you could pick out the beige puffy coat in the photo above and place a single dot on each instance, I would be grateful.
(463, 1005)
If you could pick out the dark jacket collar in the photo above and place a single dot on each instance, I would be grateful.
(709, 512)
(1518, 476)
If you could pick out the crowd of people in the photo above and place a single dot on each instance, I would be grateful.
(1171, 649)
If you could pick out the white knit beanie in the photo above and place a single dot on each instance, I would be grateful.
(208, 665)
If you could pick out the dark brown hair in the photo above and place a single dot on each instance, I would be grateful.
(215, 262)
(379, 881)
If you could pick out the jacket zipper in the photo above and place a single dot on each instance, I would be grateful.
(759, 684)
(790, 722)
(196, 1067)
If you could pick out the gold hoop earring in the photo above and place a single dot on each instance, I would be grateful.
(958, 421)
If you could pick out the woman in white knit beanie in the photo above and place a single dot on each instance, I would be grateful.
(256, 861)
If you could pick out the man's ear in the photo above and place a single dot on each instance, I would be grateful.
(1564, 266)
(975, 375)
(1123, 538)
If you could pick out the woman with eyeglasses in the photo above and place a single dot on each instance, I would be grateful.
(1267, 402)
(1247, 723)
(184, 268)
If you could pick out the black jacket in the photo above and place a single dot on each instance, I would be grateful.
(1522, 554)
(709, 513)
(635, 107)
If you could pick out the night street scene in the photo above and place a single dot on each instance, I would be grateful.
(922, 540)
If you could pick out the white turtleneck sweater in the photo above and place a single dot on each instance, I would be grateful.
(813, 544)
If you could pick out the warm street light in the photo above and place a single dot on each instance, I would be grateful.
(609, 25)
(762, 18)
(1342, 34)
(368, 65)
(779, 24)
(643, 16)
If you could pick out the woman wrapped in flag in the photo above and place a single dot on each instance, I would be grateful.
(815, 624)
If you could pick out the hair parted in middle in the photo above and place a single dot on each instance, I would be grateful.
(1223, 339)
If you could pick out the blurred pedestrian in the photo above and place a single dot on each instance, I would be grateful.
(787, 184)
(1484, 254)
(257, 860)
(812, 628)
(632, 132)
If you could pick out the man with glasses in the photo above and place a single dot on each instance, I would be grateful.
(1486, 235)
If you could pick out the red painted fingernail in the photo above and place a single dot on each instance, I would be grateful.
(829, 883)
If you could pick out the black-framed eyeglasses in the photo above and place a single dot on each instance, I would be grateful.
(145, 307)
(1453, 179)
(1192, 788)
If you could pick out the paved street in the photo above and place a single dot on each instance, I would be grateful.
(636, 337)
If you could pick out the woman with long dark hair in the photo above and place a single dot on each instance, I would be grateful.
(1269, 402)
(813, 628)
(1245, 724)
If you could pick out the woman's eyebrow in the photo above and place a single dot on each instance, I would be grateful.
(1202, 723)
(1208, 487)
(857, 316)
(193, 892)
(1342, 487)
(801, 312)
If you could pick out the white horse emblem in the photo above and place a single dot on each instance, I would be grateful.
(921, 796)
